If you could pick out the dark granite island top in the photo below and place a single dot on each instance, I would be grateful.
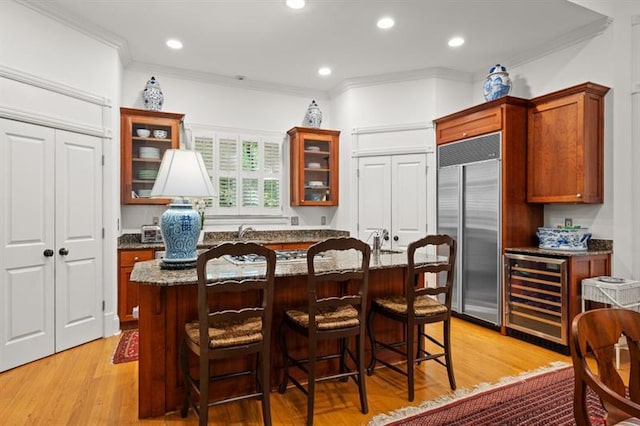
(168, 299)
(150, 273)
(211, 239)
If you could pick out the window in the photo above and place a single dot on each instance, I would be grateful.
(246, 171)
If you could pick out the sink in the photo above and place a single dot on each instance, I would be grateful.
(281, 256)
(386, 251)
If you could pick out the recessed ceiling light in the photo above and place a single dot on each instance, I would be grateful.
(296, 4)
(385, 23)
(324, 71)
(174, 44)
(456, 41)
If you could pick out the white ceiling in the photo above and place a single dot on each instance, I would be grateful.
(270, 44)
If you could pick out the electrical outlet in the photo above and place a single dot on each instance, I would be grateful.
(568, 221)
(323, 220)
(156, 220)
(294, 220)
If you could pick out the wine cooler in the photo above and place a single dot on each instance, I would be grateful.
(536, 300)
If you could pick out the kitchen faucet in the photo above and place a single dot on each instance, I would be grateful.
(378, 237)
(242, 230)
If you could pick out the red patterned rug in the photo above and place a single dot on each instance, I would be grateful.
(539, 398)
(127, 349)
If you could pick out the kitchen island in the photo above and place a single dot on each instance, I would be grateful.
(168, 299)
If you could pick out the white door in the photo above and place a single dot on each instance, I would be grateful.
(374, 197)
(78, 273)
(50, 301)
(27, 220)
(409, 200)
(392, 195)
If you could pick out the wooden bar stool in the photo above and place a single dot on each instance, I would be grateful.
(227, 330)
(419, 305)
(336, 309)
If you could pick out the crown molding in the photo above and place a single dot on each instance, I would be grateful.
(75, 22)
(396, 77)
(227, 81)
(579, 35)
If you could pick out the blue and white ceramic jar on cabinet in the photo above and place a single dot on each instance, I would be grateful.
(313, 117)
(152, 95)
(497, 84)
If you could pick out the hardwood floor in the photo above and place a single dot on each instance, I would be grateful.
(81, 386)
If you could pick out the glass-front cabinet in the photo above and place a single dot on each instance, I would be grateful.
(536, 296)
(314, 166)
(145, 136)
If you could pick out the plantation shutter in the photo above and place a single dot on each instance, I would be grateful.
(227, 173)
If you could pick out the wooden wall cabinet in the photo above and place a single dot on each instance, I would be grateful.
(314, 166)
(139, 158)
(565, 146)
(473, 123)
(127, 292)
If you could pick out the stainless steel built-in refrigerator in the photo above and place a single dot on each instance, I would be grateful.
(469, 197)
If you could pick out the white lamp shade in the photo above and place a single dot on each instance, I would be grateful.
(182, 174)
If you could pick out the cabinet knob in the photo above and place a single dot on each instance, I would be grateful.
(135, 259)
(48, 253)
(579, 195)
(395, 238)
(63, 251)
(464, 134)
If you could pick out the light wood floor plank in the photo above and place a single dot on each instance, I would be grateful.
(81, 386)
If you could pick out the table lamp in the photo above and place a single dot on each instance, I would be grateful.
(182, 174)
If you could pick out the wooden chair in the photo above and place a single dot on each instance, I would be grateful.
(595, 333)
(419, 305)
(234, 320)
(336, 309)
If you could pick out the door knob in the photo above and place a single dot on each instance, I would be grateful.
(395, 238)
(48, 253)
(63, 251)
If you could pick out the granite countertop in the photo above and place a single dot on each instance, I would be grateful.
(150, 273)
(211, 239)
(595, 247)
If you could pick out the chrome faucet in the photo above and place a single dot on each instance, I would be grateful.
(378, 237)
(242, 230)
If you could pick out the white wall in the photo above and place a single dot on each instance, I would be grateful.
(61, 60)
(394, 104)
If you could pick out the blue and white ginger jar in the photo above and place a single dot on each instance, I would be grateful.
(152, 95)
(497, 84)
(313, 117)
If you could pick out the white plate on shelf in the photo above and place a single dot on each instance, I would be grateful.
(313, 148)
(316, 183)
(313, 165)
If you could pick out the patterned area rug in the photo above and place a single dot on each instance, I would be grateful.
(537, 398)
(127, 349)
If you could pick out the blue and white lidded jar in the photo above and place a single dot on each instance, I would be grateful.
(313, 117)
(497, 84)
(152, 95)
